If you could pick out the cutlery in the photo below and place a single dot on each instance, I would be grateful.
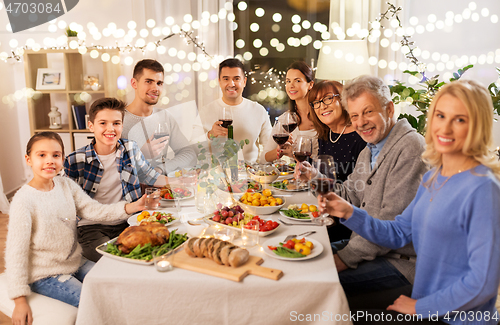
(297, 224)
(307, 233)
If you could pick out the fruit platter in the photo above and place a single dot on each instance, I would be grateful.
(171, 193)
(234, 218)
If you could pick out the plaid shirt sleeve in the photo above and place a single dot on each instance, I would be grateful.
(71, 167)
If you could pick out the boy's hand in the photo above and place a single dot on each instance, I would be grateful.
(154, 147)
(217, 130)
(136, 206)
(22, 312)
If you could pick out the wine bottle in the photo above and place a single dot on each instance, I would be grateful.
(233, 161)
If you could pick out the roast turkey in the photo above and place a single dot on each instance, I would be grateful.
(154, 233)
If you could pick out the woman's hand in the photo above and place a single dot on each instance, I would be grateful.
(136, 206)
(334, 205)
(285, 150)
(22, 312)
(304, 171)
(404, 305)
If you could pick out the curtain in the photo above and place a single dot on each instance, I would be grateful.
(348, 12)
(4, 203)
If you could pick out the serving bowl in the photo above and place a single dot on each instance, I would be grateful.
(258, 210)
(263, 174)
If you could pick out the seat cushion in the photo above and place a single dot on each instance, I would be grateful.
(46, 311)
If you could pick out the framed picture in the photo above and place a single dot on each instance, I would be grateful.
(47, 79)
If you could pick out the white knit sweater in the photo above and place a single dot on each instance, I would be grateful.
(41, 237)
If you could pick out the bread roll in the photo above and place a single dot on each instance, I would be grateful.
(238, 257)
(189, 246)
(210, 247)
(224, 254)
(204, 246)
(216, 251)
(197, 246)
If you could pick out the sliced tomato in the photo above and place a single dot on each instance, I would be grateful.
(273, 248)
(315, 214)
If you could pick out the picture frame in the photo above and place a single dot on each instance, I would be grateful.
(50, 79)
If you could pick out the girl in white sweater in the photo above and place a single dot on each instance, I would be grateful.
(42, 253)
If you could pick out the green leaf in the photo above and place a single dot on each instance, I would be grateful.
(247, 141)
(411, 119)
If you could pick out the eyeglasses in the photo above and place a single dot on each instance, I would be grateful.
(326, 100)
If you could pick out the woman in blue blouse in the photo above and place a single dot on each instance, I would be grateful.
(454, 220)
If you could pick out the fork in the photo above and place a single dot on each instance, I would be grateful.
(307, 233)
(297, 224)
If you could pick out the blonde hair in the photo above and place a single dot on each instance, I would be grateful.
(479, 140)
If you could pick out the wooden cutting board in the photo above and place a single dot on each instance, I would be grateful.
(207, 266)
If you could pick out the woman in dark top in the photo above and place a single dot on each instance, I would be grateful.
(336, 137)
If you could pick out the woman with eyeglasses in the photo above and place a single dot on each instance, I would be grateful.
(337, 138)
(299, 81)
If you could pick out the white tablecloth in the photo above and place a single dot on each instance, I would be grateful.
(116, 292)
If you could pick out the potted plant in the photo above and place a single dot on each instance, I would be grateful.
(422, 98)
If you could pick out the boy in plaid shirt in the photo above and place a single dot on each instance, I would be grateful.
(109, 169)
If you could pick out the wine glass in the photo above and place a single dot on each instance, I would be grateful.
(162, 130)
(324, 183)
(302, 149)
(226, 117)
(280, 136)
(290, 121)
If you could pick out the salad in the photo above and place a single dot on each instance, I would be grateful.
(157, 216)
(242, 186)
(177, 192)
(294, 248)
(146, 252)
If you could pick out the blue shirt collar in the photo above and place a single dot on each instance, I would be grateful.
(375, 149)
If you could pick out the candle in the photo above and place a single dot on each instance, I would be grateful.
(163, 266)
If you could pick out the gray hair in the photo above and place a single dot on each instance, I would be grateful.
(370, 84)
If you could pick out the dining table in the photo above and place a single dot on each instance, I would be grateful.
(309, 292)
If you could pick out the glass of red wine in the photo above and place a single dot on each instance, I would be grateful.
(290, 121)
(162, 131)
(302, 149)
(323, 184)
(226, 117)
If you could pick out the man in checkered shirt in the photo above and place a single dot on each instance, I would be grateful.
(109, 169)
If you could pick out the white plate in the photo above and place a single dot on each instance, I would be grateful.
(182, 198)
(172, 173)
(101, 249)
(215, 223)
(318, 249)
(295, 219)
(132, 220)
(305, 186)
